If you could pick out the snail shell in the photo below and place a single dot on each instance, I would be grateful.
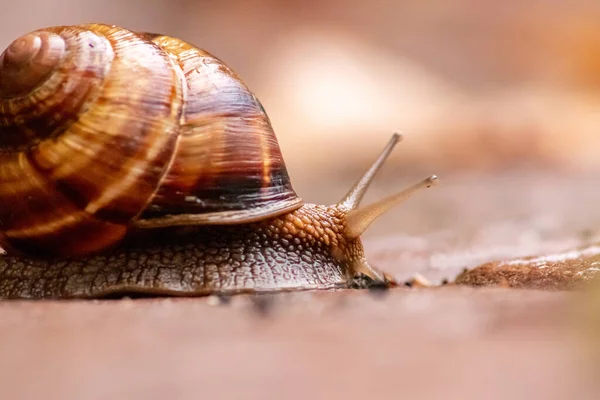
(103, 129)
(107, 134)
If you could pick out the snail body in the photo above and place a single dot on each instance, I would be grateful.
(137, 163)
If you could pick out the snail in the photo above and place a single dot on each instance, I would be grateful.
(138, 164)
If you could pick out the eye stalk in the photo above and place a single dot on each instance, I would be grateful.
(359, 219)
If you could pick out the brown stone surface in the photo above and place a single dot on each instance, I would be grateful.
(450, 343)
(566, 270)
(508, 220)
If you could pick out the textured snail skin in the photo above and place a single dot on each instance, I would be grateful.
(137, 164)
(304, 249)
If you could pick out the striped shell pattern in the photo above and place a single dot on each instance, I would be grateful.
(102, 129)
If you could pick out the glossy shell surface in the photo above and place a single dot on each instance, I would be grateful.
(102, 128)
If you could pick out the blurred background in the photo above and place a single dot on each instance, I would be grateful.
(501, 99)
(476, 86)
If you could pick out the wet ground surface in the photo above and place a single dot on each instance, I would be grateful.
(467, 221)
(447, 343)
(429, 343)
(439, 342)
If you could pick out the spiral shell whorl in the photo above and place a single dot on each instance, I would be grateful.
(47, 78)
(28, 61)
(82, 153)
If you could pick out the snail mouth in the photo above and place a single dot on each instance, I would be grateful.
(361, 266)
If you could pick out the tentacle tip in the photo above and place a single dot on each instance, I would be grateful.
(397, 137)
(433, 180)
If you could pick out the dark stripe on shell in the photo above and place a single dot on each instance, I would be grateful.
(227, 193)
(228, 157)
